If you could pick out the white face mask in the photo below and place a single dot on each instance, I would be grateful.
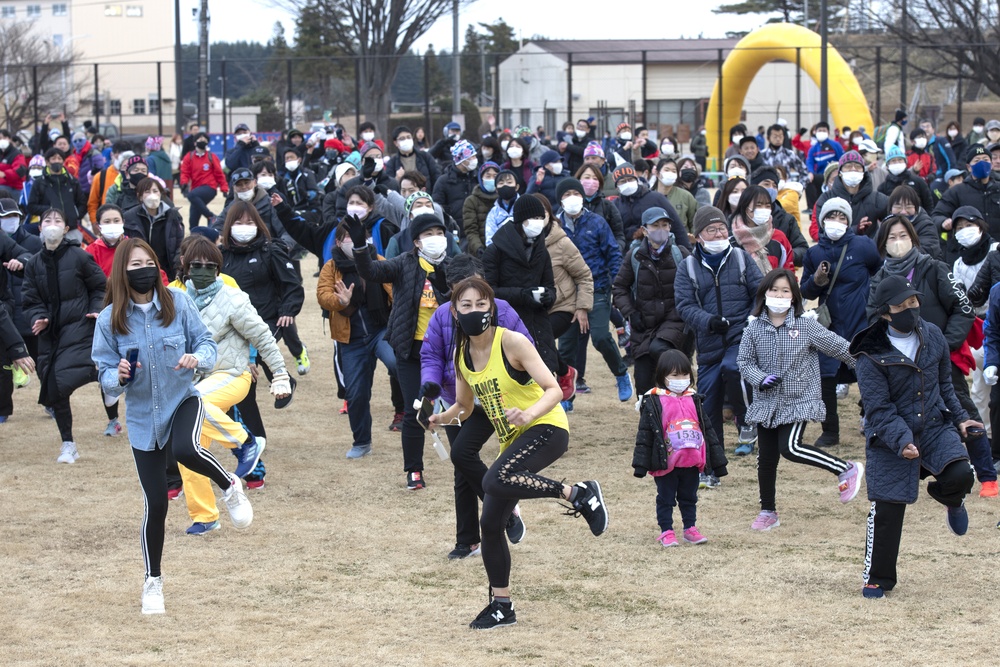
(504, 144)
(761, 216)
(920, 142)
(360, 212)
(898, 248)
(555, 168)
(734, 199)
(367, 136)
(628, 189)
(667, 149)
(715, 246)
(678, 386)
(580, 134)
(34, 173)
(151, 201)
(245, 196)
(968, 236)
(736, 138)
(897, 168)
(434, 246)
(10, 223)
(777, 304)
(978, 129)
(379, 164)
(292, 165)
(625, 136)
(470, 166)
(572, 204)
(533, 227)
(4, 144)
(422, 210)
(781, 185)
(266, 182)
(668, 178)
(856, 141)
(112, 232)
(835, 230)
(952, 133)
(515, 152)
(53, 234)
(822, 136)
(406, 146)
(736, 172)
(852, 179)
(346, 246)
(243, 233)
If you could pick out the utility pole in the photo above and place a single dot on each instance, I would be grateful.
(178, 71)
(824, 80)
(203, 20)
(456, 72)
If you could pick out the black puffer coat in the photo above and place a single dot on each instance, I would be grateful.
(632, 208)
(783, 221)
(32, 244)
(451, 190)
(513, 269)
(652, 312)
(970, 192)
(164, 234)
(407, 278)
(63, 286)
(892, 182)
(865, 203)
(906, 402)
(606, 208)
(263, 270)
(650, 453)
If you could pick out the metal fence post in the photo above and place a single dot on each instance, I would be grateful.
(878, 87)
(357, 94)
(291, 115)
(428, 130)
(959, 102)
(225, 120)
(97, 99)
(722, 148)
(159, 96)
(569, 86)
(645, 118)
(34, 92)
(798, 88)
(496, 88)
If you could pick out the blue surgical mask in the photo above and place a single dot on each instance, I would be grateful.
(773, 192)
(489, 185)
(981, 169)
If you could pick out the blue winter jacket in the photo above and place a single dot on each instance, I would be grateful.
(821, 154)
(849, 297)
(592, 236)
(991, 329)
(906, 402)
(726, 293)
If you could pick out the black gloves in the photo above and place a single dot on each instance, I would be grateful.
(368, 167)
(548, 298)
(438, 280)
(185, 189)
(430, 390)
(718, 325)
(356, 229)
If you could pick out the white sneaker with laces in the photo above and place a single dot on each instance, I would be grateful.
(152, 596)
(237, 503)
(69, 454)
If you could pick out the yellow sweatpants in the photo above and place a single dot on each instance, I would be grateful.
(219, 392)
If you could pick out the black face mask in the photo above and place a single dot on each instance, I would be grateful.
(905, 321)
(507, 192)
(141, 280)
(201, 145)
(688, 175)
(475, 323)
(332, 154)
(135, 179)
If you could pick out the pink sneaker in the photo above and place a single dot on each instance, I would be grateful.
(765, 521)
(692, 536)
(668, 539)
(850, 481)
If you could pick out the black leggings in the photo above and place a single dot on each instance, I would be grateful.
(513, 477)
(185, 432)
(786, 440)
(110, 410)
(560, 325)
(466, 443)
(64, 418)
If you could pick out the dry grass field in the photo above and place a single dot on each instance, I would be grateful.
(343, 566)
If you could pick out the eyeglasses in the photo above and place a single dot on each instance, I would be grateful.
(204, 265)
(716, 231)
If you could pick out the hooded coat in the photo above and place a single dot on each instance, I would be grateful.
(475, 210)
(865, 203)
(452, 188)
(164, 233)
(632, 208)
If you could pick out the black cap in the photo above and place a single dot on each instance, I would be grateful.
(528, 208)
(9, 207)
(894, 290)
(241, 126)
(967, 213)
(422, 223)
(241, 174)
(259, 151)
(974, 150)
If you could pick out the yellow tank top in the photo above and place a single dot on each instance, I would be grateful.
(498, 391)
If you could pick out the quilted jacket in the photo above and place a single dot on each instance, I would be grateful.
(906, 402)
(650, 451)
(574, 282)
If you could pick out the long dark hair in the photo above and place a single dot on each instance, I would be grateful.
(119, 293)
(237, 210)
(727, 190)
(768, 282)
(883, 232)
(460, 339)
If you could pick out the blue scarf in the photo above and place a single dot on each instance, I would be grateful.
(204, 297)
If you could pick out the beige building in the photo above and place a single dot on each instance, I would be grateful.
(125, 38)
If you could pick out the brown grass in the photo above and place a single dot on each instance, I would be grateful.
(344, 567)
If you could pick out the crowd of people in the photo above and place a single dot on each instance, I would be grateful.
(479, 270)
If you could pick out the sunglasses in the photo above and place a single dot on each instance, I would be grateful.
(204, 265)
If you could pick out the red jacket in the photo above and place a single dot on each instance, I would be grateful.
(926, 162)
(104, 255)
(198, 170)
(14, 171)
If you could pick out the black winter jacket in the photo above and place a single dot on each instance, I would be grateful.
(513, 269)
(32, 245)
(892, 182)
(11, 249)
(60, 191)
(63, 286)
(650, 453)
(906, 402)
(606, 208)
(927, 232)
(865, 203)
(652, 311)
(261, 202)
(988, 276)
(263, 270)
(786, 224)
(426, 165)
(407, 278)
(632, 208)
(164, 234)
(451, 189)
(970, 192)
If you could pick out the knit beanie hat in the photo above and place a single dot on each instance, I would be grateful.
(131, 162)
(836, 204)
(743, 162)
(367, 146)
(340, 170)
(462, 151)
(408, 206)
(894, 152)
(548, 157)
(567, 184)
(623, 170)
(830, 168)
(154, 143)
(622, 126)
(764, 173)
(528, 208)
(36, 161)
(705, 216)
(422, 223)
(482, 169)
(593, 148)
(852, 156)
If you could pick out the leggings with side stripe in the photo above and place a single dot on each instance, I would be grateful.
(185, 432)
(786, 440)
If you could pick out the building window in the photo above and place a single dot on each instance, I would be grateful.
(34, 11)
(154, 105)
(507, 117)
(525, 117)
(673, 113)
(60, 9)
(8, 12)
(57, 41)
(551, 122)
(139, 107)
(115, 108)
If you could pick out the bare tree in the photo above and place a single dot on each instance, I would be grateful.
(33, 74)
(952, 36)
(378, 33)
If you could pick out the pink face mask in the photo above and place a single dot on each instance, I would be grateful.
(590, 186)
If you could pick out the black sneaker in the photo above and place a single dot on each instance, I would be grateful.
(464, 551)
(590, 504)
(827, 440)
(280, 403)
(515, 526)
(415, 481)
(496, 614)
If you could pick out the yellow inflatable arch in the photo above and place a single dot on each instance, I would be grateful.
(773, 42)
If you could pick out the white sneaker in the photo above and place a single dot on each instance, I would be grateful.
(68, 453)
(237, 503)
(152, 596)
(842, 391)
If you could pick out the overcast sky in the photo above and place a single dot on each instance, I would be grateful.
(550, 19)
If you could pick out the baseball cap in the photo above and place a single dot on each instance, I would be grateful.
(894, 290)
(241, 174)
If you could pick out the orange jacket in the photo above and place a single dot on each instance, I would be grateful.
(99, 194)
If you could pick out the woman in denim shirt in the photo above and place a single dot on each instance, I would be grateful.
(162, 406)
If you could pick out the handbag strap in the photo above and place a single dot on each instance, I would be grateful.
(833, 281)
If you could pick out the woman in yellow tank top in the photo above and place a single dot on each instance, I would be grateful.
(521, 397)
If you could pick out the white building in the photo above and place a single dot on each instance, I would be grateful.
(607, 83)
